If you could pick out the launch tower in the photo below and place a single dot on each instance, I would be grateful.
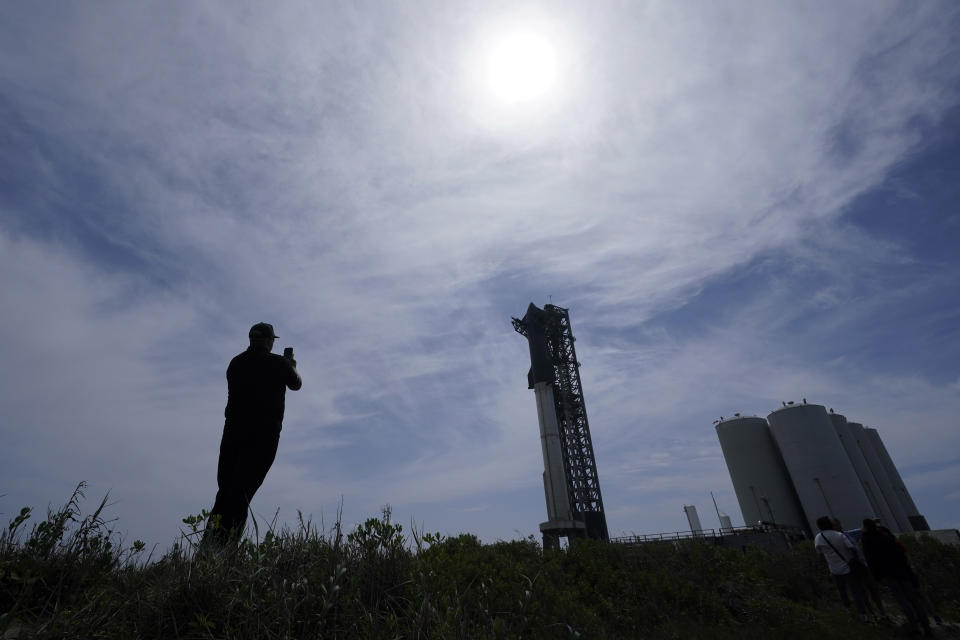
(570, 483)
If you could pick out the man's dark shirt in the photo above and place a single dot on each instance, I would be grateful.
(884, 555)
(257, 383)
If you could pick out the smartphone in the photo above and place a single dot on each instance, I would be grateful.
(288, 353)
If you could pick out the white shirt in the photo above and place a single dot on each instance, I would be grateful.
(838, 565)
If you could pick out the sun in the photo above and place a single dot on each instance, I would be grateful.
(521, 73)
(521, 67)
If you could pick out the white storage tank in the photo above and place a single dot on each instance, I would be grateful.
(693, 519)
(917, 521)
(822, 473)
(726, 525)
(759, 477)
(883, 479)
(871, 488)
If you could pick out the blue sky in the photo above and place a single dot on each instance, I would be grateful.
(740, 204)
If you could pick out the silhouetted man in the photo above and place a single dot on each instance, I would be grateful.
(257, 382)
(888, 562)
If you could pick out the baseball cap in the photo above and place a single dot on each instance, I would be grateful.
(262, 330)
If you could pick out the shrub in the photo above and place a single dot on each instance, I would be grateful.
(70, 576)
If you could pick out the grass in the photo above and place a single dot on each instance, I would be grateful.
(70, 576)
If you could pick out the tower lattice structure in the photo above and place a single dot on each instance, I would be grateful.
(554, 361)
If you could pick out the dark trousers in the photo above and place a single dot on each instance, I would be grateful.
(872, 588)
(849, 581)
(246, 454)
(908, 598)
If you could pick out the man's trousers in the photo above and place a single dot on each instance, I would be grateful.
(246, 454)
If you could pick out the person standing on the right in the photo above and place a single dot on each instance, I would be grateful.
(889, 565)
(871, 590)
(841, 555)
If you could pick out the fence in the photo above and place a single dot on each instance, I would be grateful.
(709, 534)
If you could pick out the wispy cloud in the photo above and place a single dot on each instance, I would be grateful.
(173, 175)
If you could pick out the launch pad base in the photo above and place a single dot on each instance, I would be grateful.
(553, 530)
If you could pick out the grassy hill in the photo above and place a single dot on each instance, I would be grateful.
(69, 576)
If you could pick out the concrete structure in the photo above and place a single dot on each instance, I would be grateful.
(822, 475)
(760, 479)
(917, 521)
(692, 518)
(882, 478)
(871, 488)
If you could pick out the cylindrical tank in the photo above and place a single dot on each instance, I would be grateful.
(759, 477)
(877, 501)
(882, 477)
(917, 521)
(725, 523)
(822, 474)
(692, 518)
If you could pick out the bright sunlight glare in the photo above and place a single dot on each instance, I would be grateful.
(521, 67)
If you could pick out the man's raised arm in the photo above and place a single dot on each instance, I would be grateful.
(293, 377)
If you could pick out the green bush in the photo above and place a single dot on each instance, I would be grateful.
(69, 576)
